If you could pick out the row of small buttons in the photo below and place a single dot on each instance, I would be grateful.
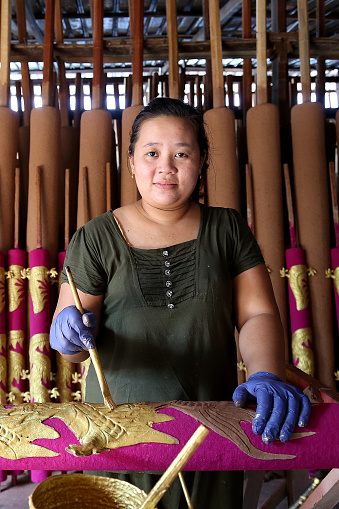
(168, 283)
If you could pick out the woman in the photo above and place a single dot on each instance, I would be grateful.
(170, 279)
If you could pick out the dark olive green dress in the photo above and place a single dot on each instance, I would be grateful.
(167, 328)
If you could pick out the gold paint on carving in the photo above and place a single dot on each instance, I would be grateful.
(96, 427)
(15, 362)
(3, 369)
(53, 275)
(16, 287)
(299, 285)
(336, 279)
(40, 367)
(64, 380)
(2, 289)
(302, 350)
(329, 273)
(84, 367)
(284, 272)
(224, 418)
(39, 287)
(77, 396)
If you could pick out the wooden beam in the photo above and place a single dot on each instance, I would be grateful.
(120, 50)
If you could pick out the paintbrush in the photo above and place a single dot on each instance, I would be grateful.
(92, 351)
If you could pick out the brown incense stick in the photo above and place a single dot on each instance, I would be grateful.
(92, 351)
(249, 198)
(290, 211)
(38, 209)
(17, 208)
(108, 186)
(67, 204)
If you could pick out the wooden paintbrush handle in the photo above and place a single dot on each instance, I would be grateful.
(92, 351)
(74, 291)
(175, 467)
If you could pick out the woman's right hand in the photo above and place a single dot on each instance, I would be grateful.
(72, 332)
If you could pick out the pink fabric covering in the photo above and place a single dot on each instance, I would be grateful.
(317, 451)
(2, 320)
(40, 322)
(335, 265)
(61, 259)
(17, 317)
(39, 475)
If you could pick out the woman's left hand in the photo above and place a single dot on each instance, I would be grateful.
(280, 406)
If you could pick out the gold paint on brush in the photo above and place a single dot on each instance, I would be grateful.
(92, 351)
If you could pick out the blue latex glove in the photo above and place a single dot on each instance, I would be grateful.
(280, 407)
(72, 332)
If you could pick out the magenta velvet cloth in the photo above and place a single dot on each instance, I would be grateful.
(2, 317)
(3, 473)
(61, 259)
(40, 322)
(17, 317)
(316, 451)
(335, 265)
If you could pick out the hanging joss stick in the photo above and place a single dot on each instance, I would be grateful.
(16, 337)
(298, 293)
(39, 347)
(65, 369)
(16, 290)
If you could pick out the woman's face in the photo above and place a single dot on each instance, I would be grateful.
(166, 161)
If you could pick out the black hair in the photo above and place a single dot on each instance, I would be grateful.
(165, 106)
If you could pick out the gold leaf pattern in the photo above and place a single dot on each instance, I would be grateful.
(18, 428)
(16, 287)
(299, 285)
(96, 427)
(302, 351)
(224, 418)
(40, 367)
(336, 279)
(39, 288)
(65, 373)
(15, 362)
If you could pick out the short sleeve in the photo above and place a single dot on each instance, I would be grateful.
(84, 259)
(246, 252)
